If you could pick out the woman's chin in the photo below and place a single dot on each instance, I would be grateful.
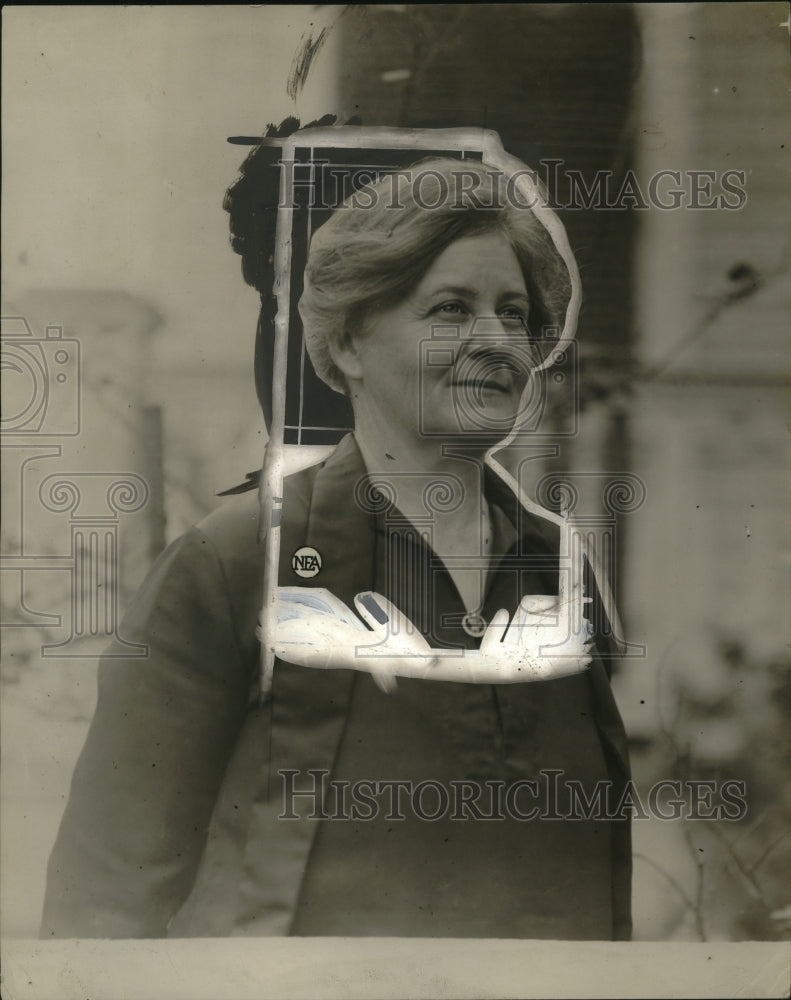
(485, 425)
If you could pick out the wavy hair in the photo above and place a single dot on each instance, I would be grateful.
(376, 247)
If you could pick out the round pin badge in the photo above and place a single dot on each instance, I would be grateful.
(306, 562)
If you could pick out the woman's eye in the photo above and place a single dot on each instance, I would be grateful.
(450, 309)
(513, 312)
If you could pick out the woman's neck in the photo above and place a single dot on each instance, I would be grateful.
(441, 494)
(423, 476)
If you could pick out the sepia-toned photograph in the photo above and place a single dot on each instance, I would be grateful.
(395, 462)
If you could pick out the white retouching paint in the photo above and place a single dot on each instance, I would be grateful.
(538, 643)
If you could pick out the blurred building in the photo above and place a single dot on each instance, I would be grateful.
(708, 555)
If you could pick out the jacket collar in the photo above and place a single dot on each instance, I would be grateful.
(339, 526)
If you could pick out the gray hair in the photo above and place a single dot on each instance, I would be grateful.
(377, 246)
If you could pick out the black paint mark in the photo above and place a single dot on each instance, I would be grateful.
(300, 66)
(373, 608)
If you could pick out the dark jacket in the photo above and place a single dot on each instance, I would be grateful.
(172, 822)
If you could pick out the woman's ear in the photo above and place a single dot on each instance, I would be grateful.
(344, 353)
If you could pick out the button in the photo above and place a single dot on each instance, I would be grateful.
(474, 625)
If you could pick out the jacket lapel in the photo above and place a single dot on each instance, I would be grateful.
(308, 707)
(339, 528)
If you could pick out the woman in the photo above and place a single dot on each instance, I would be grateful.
(429, 808)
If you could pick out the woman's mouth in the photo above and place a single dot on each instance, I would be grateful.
(487, 374)
(500, 383)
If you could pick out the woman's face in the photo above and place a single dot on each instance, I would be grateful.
(453, 357)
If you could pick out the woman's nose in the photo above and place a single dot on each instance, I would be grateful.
(494, 335)
(499, 341)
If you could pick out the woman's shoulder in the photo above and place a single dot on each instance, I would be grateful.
(232, 529)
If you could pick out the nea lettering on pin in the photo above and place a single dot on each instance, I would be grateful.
(306, 562)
